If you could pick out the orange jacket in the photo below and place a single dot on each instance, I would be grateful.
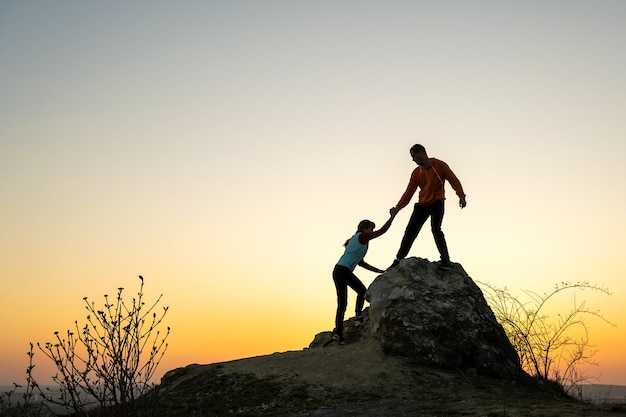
(431, 182)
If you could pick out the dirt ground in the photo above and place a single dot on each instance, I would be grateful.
(372, 384)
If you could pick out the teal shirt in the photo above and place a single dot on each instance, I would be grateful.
(354, 253)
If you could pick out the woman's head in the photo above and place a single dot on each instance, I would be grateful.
(364, 225)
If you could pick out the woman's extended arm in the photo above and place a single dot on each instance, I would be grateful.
(366, 237)
(369, 267)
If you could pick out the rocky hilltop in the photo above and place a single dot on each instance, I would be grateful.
(430, 346)
(435, 316)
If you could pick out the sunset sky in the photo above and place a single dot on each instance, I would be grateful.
(225, 151)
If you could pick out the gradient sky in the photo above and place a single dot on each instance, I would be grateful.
(225, 151)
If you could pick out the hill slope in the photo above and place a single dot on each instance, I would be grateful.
(429, 346)
(354, 380)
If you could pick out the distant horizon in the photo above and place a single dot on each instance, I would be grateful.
(596, 393)
(23, 388)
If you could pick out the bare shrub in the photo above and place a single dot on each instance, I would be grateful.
(105, 366)
(545, 344)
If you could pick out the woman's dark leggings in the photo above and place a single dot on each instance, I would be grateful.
(417, 220)
(343, 278)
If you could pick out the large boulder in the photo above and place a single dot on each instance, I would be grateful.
(439, 317)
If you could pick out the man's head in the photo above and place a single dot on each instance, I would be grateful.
(417, 148)
(419, 155)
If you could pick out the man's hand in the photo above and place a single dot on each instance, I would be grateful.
(462, 202)
(393, 211)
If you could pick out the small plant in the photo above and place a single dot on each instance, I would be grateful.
(106, 365)
(24, 404)
(545, 344)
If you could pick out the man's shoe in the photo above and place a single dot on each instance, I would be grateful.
(338, 339)
(445, 263)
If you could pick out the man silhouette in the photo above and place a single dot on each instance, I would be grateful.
(430, 177)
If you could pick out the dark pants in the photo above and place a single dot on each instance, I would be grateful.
(417, 220)
(343, 278)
